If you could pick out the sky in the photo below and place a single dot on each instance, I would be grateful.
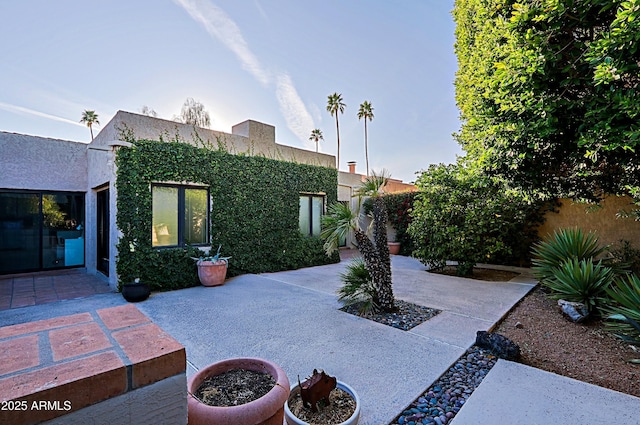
(271, 61)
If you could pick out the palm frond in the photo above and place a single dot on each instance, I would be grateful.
(336, 225)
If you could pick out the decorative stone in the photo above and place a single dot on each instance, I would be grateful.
(500, 345)
(519, 325)
(576, 312)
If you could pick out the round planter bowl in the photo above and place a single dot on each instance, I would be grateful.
(267, 410)
(135, 292)
(212, 274)
(353, 419)
(394, 248)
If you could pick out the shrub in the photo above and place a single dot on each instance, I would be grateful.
(564, 245)
(580, 281)
(469, 217)
(358, 288)
(625, 256)
(623, 313)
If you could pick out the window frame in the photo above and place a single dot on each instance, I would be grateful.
(181, 207)
(310, 196)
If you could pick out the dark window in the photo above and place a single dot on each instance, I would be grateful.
(180, 215)
(311, 210)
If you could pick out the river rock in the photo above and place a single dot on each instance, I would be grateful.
(499, 345)
(576, 312)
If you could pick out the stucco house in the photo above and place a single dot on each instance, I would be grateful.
(58, 198)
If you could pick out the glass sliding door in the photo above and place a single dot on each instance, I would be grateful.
(62, 230)
(19, 231)
(41, 230)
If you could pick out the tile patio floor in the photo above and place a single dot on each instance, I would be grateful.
(21, 290)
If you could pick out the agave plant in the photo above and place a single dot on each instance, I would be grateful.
(357, 287)
(565, 244)
(580, 281)
(623, 316)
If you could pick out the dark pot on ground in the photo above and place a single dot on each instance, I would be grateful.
(135, 291)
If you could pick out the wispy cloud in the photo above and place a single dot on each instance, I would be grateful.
(23, 110)
(293, 109)
(223, 28)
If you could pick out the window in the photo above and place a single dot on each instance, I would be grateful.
(311, 209)
(180, 215)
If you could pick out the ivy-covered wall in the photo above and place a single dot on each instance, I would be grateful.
(254, 211)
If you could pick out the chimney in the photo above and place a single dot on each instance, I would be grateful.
(352, 167)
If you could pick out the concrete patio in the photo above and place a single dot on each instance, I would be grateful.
(293, 319)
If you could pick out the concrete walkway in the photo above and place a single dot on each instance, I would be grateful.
(293, 319)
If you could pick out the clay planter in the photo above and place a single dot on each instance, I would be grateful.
(212, 273)
(267, 410)
(353, 419)
(394, 248)
(135, 291)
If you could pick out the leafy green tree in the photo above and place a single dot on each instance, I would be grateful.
(335, 105)
(340, 219)
(193, 113)
(465, 216)
(366, 112)
(316, 136)
(548, 93)
(89, 118)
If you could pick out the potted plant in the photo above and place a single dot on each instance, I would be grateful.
(267, 409)
(322, 399)
(212, 270)
(135, 291)
(394, 248)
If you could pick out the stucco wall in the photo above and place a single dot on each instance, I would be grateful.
(39, 163)
(249, 138)
(600, 219)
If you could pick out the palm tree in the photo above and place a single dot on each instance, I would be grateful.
(340, 219)
(90, 118)
(366, 112)
(316, 135)
(335, 105)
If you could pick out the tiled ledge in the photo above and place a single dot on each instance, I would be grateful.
(53, 367)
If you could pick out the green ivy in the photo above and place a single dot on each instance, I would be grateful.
(254, 211)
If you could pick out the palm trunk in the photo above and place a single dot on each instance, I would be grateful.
(338, 132)
(366, 146)
(376, 257)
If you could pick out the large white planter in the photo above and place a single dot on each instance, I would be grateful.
(353, 420)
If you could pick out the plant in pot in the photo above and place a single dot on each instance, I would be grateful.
(212, 270)
(248, 391)
(323, 400)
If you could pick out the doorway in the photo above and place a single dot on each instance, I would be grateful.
(102, 237)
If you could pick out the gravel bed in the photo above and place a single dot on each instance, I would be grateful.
(408, 316)
(440, 403)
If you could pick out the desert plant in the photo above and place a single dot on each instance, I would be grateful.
(564, 245)
(626, 256)
(357, 287)
(375, 253)
(580, 280)
(623, 314)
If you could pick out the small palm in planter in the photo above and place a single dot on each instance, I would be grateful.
(322, 399)
(212, 270)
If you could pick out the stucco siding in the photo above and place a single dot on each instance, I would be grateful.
(38, 163)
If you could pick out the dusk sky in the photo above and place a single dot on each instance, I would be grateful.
(270, 61)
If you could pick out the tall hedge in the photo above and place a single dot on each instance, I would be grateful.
(254, 211)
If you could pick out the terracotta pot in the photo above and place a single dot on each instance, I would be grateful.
(212, 274)
(135, 291)
(267, 410)
(394, 248)
(353, 419)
